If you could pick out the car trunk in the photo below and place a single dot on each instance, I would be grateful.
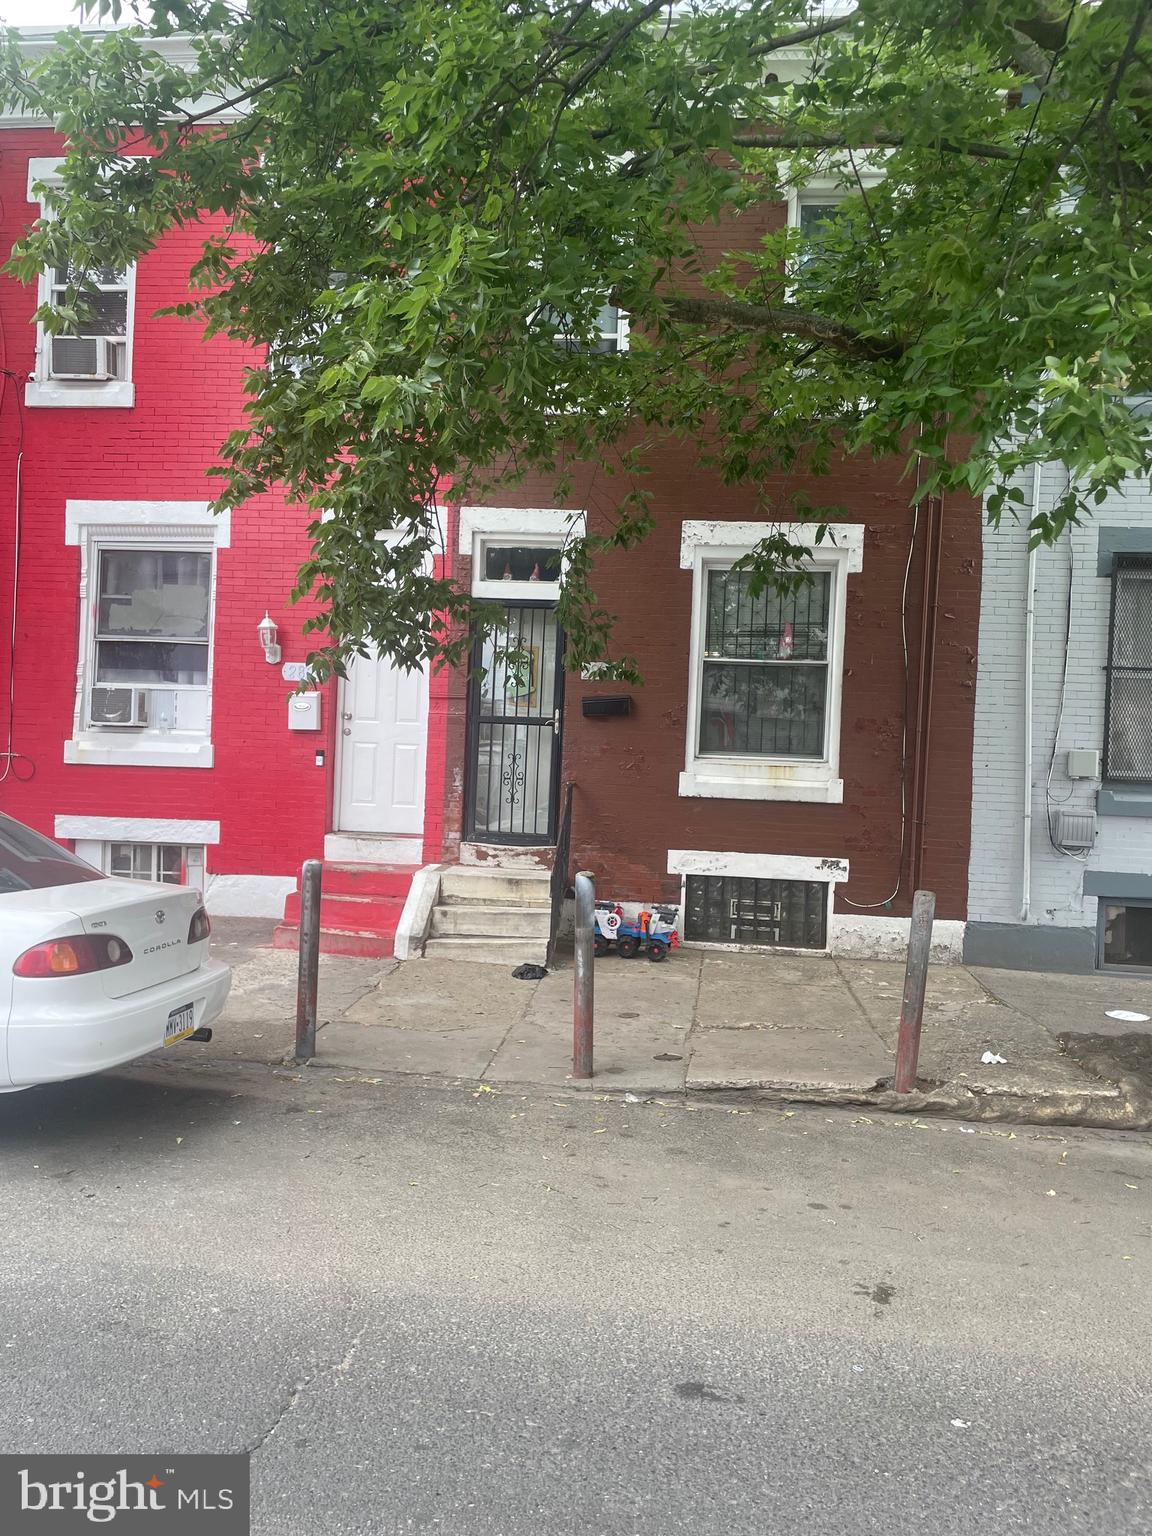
(153, 920)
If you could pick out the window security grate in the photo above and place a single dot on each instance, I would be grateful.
(789, 914)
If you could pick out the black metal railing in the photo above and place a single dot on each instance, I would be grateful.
(561, 875)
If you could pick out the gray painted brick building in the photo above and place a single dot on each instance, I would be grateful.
(1081, 896)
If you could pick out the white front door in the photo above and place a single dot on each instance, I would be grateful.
(383, 747)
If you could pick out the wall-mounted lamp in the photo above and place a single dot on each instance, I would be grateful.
(267, 631)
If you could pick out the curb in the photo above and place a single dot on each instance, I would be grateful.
(1127, 1108)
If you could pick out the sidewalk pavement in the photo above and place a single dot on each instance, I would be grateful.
(811, 1029)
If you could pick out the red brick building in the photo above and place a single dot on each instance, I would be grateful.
(762, 772)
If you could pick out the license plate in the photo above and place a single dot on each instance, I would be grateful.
(181, 1023)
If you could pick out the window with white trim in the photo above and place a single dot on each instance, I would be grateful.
(146, 620)
(89, 363)
(161, 863)
(764, 678)
(96, 348)
(766, 667)
(150, 640)
(816, 212)
(611, 331)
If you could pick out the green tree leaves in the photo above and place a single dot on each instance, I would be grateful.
(402, 191)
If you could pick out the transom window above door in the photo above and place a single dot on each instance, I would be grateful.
(507, 562)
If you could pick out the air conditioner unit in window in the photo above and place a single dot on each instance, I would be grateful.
(84, 357)
(122, 708)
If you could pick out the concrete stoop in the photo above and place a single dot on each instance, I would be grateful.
(496, 916)
(360, 909)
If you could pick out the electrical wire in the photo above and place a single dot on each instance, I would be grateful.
(866, 906)
(1050, 800)
(9, 757)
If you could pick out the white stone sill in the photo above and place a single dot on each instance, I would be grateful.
(117, 394)
(703, 786)
(151, 753)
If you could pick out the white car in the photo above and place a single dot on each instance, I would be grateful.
(94, 971)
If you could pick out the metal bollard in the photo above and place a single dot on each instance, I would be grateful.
(308, 975)
(915, 981)
(582, 986)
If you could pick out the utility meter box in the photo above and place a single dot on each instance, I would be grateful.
(304, 712)
(1083, 763)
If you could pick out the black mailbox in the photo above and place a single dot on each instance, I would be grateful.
(601, 704)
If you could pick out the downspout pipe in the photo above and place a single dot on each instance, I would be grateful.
(1029, 657)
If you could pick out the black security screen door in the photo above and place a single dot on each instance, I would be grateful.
(514, 714)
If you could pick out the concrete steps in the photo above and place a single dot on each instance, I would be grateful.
(471, 920)
(508, 952)
(495, 888)
(497, 916)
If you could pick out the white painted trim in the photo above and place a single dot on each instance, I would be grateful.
(98, 525)
(707, 786)
(136, 516)
(247, 895)
(711, 545)
(416, 918)
(560, 522)
(138, 829)
(153, 752)
(61, 394)
(510, 591)
(45, 168)
(860, 936)
(841, 538)
(756, 866)
(42, 390)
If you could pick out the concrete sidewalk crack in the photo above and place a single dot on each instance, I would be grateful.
(296, 1391)
(860, 1008)
(689, 1042)
(512, 1022)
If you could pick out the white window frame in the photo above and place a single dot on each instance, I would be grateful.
(548, 527)
(619, 333)
(145, 525)
(842, 178)
(709, 546)
(42, 389)
(757, 866)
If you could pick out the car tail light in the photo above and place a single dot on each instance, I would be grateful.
(75, 955)
(199, 928)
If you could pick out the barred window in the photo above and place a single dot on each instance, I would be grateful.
(1128, 708)
(764, 685)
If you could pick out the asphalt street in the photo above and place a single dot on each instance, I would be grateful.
(426, 1308)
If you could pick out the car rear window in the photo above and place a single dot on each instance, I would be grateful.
(29, 862)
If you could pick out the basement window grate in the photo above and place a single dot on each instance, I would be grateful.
(786, 914)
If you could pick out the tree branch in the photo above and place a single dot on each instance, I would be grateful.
(777, 320)
(594, 65)
(878, 137)
(804, 34)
